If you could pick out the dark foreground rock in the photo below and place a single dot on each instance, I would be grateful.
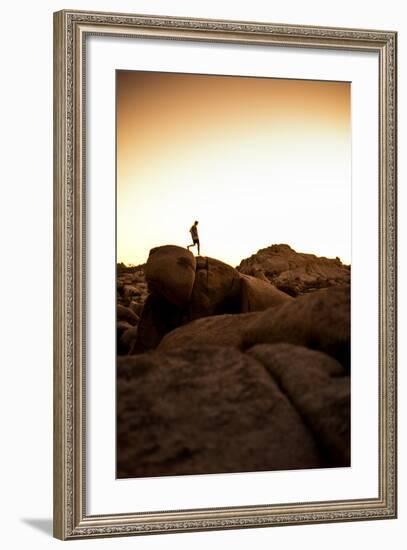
(319, 388)
(219, 330)
(206, 410)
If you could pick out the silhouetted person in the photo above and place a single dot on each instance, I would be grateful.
(195, 237)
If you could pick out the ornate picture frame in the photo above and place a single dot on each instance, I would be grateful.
(71, 517)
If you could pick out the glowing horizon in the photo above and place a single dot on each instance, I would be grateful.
(258, 161)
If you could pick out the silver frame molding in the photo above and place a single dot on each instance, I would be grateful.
(70, 31)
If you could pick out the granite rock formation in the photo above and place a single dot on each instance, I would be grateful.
(224, 369)
(170, 273)
(294, 272)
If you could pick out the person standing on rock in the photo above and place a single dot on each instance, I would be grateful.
(194, 235)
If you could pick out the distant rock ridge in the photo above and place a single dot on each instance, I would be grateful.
(124, 268)
(294, 272)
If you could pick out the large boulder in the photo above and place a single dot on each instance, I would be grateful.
(216, 289)
(319, 320)
(205, 410)
(220, 330)
(294, 272)
(158, 317)
(319, 388)
(257, 294)
(170, 273)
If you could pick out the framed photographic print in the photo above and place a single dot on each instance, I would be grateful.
(225, 274)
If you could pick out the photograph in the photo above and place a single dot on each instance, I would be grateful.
(224, 274)
(233, 274)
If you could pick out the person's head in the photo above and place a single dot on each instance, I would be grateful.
(196, 222)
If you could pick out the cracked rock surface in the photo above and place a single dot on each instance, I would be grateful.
(202, 410)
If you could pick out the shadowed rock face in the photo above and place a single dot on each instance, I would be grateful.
(293, 272)
(128, 340)
(126, 314)
(319, 320)
(121, 328)
(206, 410)
(170, 273)
(216, 289)
(158, 317)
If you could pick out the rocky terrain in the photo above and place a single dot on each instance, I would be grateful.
(131, 294)
(294, 272)
(224, 369)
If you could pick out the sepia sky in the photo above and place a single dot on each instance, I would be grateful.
(258, 161)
